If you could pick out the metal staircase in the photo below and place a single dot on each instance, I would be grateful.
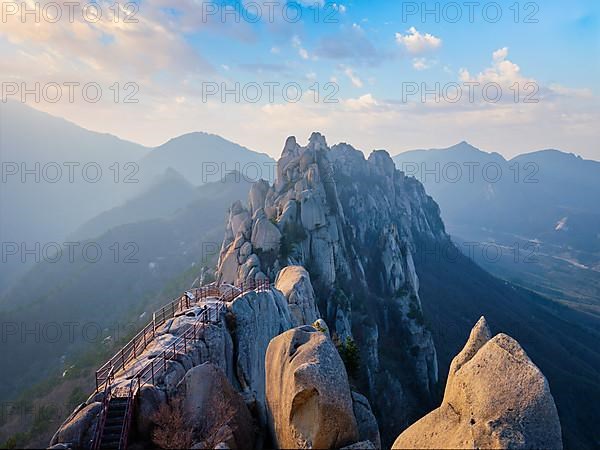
(114, 423)
(116, 426)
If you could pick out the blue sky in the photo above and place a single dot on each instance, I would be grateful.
(562, 47)
(369, 53)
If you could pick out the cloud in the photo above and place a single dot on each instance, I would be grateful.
(339, 7)
(361, 103)
(416, 43)
(350, 43)
(297, 44)
(422, 63)
(354, 79)
(502, 71)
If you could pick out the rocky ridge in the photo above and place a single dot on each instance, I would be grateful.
(354, 223)
(338, 234)
(215, 394)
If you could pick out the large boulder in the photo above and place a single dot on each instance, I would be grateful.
(78, 430)
(294, 283)
(265, 235)
(368, 429)
(257, 195)
(211, 405)
(150, 399)
(496, 397)
(309, 403)
(258, 318)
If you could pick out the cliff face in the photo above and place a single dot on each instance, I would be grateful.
(496, 397)
(353, 223)
(265, 369)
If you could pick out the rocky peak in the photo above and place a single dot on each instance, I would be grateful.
(353, 223)
(496, 397)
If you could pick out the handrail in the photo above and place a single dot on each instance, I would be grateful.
(131, 393)
(148, 373)
(140, 341)
(103, 412)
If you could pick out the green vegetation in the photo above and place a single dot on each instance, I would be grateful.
(350, 354)
(318, 327)
(415, 312)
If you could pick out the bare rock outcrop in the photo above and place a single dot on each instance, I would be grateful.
(215, 410)
(150, 399)
(257, 318)
(294, 283)
(78, 430)
(368, 429)
(309, 402)
(496, 397)
(354, 224)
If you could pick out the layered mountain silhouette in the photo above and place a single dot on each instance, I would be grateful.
(65, 176)
(539, 210)
(110, 294)
(177, 227)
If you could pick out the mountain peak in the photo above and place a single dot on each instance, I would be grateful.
(463, 146)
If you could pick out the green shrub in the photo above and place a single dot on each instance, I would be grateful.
(350, 354)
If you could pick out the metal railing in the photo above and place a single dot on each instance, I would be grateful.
(139, 343)
(104, 411)
(157, 366)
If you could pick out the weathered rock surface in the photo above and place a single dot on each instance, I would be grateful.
(354, 224)
(308, 397)
(78, 430)
(368, 429)
(362, 445)
(294, 283)
(496, 397)
(150, 400)
(214, 408)
(258, 318)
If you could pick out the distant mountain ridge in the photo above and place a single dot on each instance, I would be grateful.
(52, 207)
(203, 157)
(539, 210)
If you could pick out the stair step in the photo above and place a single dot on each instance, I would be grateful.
(114, 422)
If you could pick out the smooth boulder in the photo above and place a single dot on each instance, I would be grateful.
(496, 397)
(294, 283)
(211, 404)
(309, 403)
(78, 430)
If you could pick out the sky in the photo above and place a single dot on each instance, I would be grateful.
(507, 76)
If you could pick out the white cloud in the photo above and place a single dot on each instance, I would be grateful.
(354, 79)
(422, 63)
(572, 92)
(415, 42)
(339, 7)
(502, 71)
(361, 103)
(297, 43)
